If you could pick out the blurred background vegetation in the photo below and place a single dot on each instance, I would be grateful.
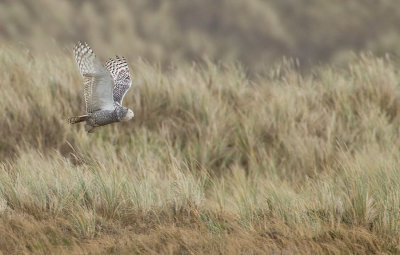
(253, 32)
(215, 161)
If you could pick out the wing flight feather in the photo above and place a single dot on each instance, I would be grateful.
(119, 71)
(98, 84)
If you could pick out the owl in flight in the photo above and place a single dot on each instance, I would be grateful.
(104, 88)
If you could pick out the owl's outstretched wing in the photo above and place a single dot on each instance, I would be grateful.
(119, 71)
(98, 84)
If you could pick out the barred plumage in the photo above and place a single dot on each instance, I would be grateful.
(98, 87)
(104, 88)
(119, 70)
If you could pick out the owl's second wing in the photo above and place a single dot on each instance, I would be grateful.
(98, 84)
(119, 70)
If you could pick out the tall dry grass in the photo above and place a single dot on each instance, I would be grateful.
(254, 32)
(212, 162)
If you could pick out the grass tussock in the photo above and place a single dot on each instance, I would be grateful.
(212, 163)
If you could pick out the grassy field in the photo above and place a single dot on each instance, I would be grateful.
(254, 32)
(213, 162)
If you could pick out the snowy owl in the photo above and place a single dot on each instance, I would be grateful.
(104, 88)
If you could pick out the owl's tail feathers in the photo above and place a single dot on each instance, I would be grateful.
(77, 119)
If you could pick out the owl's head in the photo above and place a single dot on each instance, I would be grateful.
(129, 115)
(124, 113)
